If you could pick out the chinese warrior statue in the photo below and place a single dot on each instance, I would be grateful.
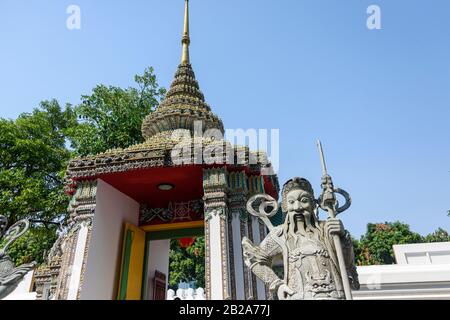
(317, 255)
(10, 275)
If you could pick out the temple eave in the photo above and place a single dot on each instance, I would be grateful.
(147, 156)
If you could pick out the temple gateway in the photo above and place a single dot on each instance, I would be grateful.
(128, 203)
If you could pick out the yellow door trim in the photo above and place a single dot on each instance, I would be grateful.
(174, 226)
(132, 267)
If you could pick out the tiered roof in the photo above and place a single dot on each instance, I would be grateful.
(183, 105)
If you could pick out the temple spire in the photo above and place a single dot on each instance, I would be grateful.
(186, 39)
(184, 103)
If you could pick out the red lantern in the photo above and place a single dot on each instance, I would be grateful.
(186, 242)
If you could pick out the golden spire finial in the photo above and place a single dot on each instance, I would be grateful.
(186, 40)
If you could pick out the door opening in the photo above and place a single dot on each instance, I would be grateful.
(153, 262)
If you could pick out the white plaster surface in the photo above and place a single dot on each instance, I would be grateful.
(75, 273)
(422, 272)
(216, 259)
(404, 282)
(423, 253)
(112, 211)
(158, 260)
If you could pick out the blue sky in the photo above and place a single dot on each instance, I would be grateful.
(378, 99)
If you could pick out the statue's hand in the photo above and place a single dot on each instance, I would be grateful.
(334, 226)
(284, 292)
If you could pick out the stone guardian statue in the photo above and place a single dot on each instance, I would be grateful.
(318, 256)
(10, 275)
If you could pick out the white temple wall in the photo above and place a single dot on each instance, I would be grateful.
(216, 258)
(113, 210)
(77, 266)
(158, 260)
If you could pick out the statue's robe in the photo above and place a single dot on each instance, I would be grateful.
(309, 260)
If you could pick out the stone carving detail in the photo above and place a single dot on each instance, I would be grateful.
(310, 259)
(217, 212)
(46, 278)
(237, 198)
(82, 205)
(157, 152)
(10, 275)
(216, 205)
(215, 193)
(181, 211)
(150, 214)
(53, 276)
(186, 294)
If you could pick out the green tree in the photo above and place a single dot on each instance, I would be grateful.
(440, 235)
(187, 264)
(34, 153)
(33, 157)
(111, 117)
(33, 245)
(375, 246)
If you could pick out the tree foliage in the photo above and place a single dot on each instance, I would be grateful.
(440, 235)
(376, 245)
(188, 264)
(34, 151)
(33, 157)
(111, 117)
(33, 245)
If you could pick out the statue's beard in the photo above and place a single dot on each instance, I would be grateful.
(302, 223)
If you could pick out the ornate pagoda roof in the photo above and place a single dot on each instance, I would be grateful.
(183, 105)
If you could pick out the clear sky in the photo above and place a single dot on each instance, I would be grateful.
(378, 99)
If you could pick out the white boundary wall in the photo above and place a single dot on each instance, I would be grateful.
(422, 272)
(404, 282)
(423, 253)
